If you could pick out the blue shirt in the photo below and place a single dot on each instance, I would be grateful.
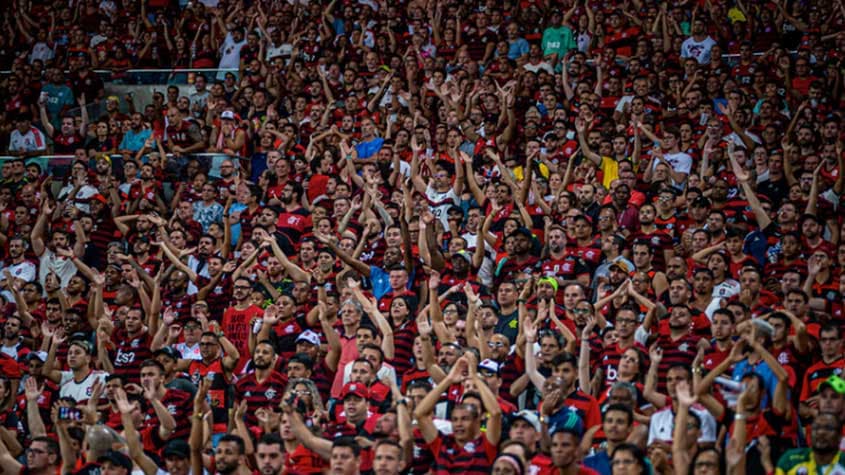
(59, 97)
(600, 462)
(762, 369)
(369, 148)
(134, 141)
(380, 281)
(517, 48)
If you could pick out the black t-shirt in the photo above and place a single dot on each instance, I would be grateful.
(777, 191)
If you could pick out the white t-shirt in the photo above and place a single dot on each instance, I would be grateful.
(663, 423)
(189, 352)
(681, 162)
(31, 141)
(230, 53)
(51, 262)
(80, 391)
(24, 271)
(698, 50)
(726, 289)
(440, 202)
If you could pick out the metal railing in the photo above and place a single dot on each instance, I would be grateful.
(59, 165)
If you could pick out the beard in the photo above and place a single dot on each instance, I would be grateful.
(262, 364)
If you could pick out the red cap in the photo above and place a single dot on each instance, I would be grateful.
(356, 389)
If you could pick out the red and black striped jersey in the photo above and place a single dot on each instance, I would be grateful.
(816, 374)
(129, 353)
(180, 405)
(219, 297)
(472, 458)
(610, 356)
(680, 351)
(403, 343)
(267, 393)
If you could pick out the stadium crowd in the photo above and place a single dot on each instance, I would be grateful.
(511, 237)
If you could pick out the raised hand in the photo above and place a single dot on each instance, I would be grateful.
(655, 354)
(122, 402)
(685, 397)
(32, 390)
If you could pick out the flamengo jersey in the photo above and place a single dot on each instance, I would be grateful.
(440, 202)
(31, 141)
(80, 391)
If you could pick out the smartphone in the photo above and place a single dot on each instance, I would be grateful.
(69, 414)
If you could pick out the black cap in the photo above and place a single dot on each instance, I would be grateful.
(168, 351)
(806, 216)
(701, 202)
(117, 458)
(176, 448)
(522, 230)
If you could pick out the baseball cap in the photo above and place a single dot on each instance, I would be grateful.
(176, 448)
(464, 254)
(549, 280)
(355, 389)
(807, 216)
(489, 365)
(701, 202)
(227, 115)
(622, 265)
(39, 355)
(309, 336)
(529, 417)
(84, 344)
(522, 230)
(168, 351)
(117, 458)
(834, 382)
(567, 421)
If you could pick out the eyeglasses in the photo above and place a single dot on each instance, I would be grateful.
(626, 321)
(242, 287)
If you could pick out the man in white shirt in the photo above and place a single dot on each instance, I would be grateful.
(230, 52)
(26, 140)
(698, 45)
(79, 381)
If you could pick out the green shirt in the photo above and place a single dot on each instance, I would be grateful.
(558, 41)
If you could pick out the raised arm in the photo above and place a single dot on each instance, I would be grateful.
(131, 435)
(425, 409)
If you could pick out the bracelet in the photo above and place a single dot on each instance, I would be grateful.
(349, 157)
(740, 417)
(521, 300)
